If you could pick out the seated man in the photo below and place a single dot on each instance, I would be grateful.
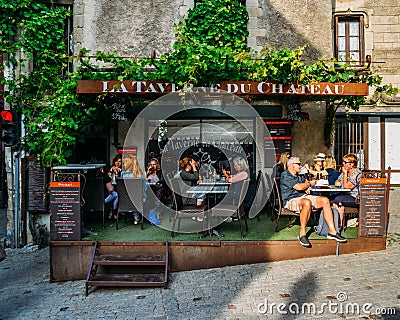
(296, 197)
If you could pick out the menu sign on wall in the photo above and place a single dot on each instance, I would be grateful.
(65, 222)
(35, 179)
(373, 217)
(279, 140)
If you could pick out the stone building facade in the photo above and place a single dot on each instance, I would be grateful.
(135, 29)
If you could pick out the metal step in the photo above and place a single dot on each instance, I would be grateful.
(128, 280)
(127, 270)
(130, 260)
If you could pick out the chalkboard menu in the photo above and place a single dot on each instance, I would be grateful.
(293, 111)
(373, 217)
(35, 179)
(65, 221)
(279, 140)
(118, 111)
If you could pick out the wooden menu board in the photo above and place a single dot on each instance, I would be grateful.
(65, 221)
(35, 179)
(373, 218)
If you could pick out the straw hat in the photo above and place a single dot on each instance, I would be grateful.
(320, 156)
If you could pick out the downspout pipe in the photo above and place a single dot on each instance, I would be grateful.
(16, 200)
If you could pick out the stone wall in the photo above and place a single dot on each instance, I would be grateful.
(289, 24)
(382, 35)
(131, 28)
(136, 28)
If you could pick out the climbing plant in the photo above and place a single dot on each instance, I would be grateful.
(210, 47)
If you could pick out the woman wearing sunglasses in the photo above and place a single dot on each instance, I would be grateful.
(349, 179)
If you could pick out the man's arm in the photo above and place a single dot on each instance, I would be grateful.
(302, 186)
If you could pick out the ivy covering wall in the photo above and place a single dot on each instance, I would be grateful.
(210, 47)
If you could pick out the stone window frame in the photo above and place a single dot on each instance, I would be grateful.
(345, 20)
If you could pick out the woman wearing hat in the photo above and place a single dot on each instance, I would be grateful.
(317, 170)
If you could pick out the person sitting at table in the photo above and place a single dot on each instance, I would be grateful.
(317, 170)
(350, 179)
(131, 169)
(155, 179)
(190, 176)
(281, 165)
(296, 197)
(111, 196)
(241, 172)
(116, 168)
(330, 168)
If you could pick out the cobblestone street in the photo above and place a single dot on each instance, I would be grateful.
(352, 286)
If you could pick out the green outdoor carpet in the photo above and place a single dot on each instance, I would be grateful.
(263, 229)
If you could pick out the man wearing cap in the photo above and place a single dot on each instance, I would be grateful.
(296, 197)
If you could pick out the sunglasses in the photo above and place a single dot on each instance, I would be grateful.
(297, 163)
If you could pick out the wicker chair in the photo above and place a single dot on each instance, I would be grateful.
(281, 211)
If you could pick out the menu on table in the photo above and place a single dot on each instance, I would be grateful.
(373, 218)
(65, 221)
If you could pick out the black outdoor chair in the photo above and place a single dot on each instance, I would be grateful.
(234, 204)
(130, 190)
(93, 196)
(184, 210)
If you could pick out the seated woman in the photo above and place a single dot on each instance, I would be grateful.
(241, 172)
(330, 168)
(281, 166)
(132, 169)
(190, 176)
(317, 170)
(350, 179)
(331, 174)
(116, 168)
(155, 178)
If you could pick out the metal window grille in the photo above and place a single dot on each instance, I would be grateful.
(349, 138)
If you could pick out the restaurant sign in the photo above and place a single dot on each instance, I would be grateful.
(239, 88)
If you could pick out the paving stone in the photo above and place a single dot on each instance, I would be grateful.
(224, 293)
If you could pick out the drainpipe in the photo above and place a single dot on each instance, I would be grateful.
(16, 200)
(11, 176)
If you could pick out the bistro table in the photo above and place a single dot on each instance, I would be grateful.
(214, 188)
(330, 188)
